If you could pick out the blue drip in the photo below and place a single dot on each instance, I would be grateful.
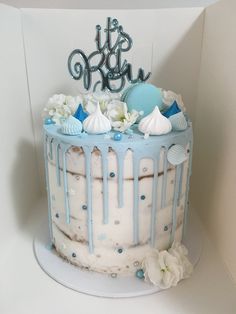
(47, 186)
(180, 182)
(58, 172)
(51, 151)
(66, 196)
(154, 201)
(164, 180)
(135, 199)
(105, 184)
(174, 208)
(186, 207)
(87, 152)
(120, 157)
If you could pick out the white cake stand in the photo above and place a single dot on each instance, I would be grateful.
(100, 284)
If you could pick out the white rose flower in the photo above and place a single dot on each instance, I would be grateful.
(57, 99)
(180, 252)
(73, 102)
(91, 100)
(162, 269)
(168, 97)
(120, 118)
(60, 107)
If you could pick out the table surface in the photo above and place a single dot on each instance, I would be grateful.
(25, 288)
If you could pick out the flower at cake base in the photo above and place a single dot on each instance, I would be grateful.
(60, 107)
(162, 269)
(168, 97)
(120, 118)
(181, 253)
(166, 268)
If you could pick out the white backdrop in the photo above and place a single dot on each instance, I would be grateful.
(167, 42)
(215, 130)
(19, 188)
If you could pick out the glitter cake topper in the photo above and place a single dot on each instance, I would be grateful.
(116, 42)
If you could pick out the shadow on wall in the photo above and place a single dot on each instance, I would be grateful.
(184, 75)
(24, 183)
(187, 84)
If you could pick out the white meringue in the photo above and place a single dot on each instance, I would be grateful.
(96, 122)
(155, 123)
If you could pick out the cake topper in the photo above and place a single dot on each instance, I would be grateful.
(116, 42)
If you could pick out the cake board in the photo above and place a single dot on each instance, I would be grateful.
(103, 285)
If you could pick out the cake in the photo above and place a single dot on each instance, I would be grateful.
(117, 171)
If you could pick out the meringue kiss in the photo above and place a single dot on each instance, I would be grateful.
(155, 123)
(96, 122)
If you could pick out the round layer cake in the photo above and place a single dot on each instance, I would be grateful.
(111, 202)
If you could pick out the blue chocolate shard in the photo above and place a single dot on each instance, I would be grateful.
(80, 114)
(173, 109)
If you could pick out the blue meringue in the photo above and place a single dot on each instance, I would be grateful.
(173, 109)
(71, 126)
(80, 114)
(178, 122)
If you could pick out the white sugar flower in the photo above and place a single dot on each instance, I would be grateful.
(181, 253)
(60, 107)
(91, 100)
(120, 118)
(166, 268)
(104, 98)
(162, 269)
(168, 97)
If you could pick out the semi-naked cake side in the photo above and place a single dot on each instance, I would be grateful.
(112, 202)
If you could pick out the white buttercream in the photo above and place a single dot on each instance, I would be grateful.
(96, 122)
(155, 123)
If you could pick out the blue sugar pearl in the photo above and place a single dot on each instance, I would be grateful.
(48, 121)
(57, 215)
(120, 250)
(84, 207)
(139, 274)
(112, 174)
(165, 228)
(117, 136)
(73, 255)
(143, 197)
